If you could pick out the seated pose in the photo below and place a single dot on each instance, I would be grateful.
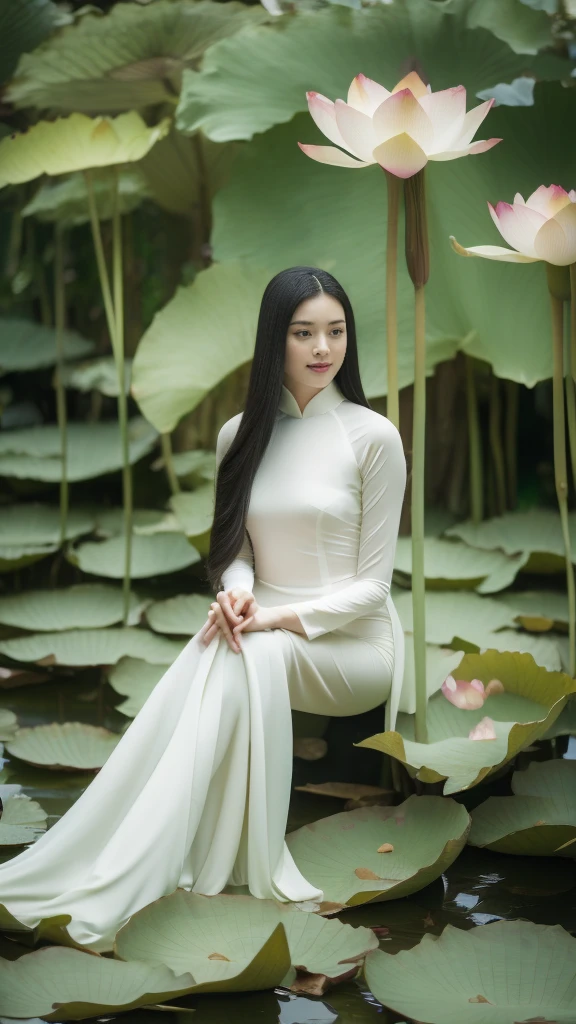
(309, 490)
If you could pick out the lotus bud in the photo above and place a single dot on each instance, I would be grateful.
(493, 687)
(469, 696)
(483, 731)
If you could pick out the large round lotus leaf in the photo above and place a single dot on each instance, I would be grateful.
(82, 606)
(74, 143)
(36, 524)
(97, 375)
(153, 555)
(22, 820)
(217, 937)
(24, 24)
(340, 855)
(532, 700)
(64, 745)
(67, 201)
(16, 556)
(8, 724)
(185, 614)
(565, 724)
(539, 821)
(546, 650)
(92, 647)
(25, 345)
(536, 532)
(450, 564)
(215, 317)
(135, 679)
(180, 170)
(93, 449)
(56, 984)
(538, 610)
(110, 521)
(194, 510)
(448, 615)
(505, 972)
(525, 27)
(199, 462)
(78, 69)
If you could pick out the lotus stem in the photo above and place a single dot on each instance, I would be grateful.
(560, 471)
(474, 444)
(393, 398)
(118, 346)
(570, 376)
(174, 483)
(511, 440)
(59, 313)
(496, 445)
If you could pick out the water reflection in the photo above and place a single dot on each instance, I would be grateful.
(300, 1010)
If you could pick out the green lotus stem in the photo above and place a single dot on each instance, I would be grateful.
(118, 347)
(418, 263)
(100, 260)
(570, 376)
(560, 470)
(496, 445)
(393, 398)
(59, 316)
(173, 481)
(511, 441)
(474, 444)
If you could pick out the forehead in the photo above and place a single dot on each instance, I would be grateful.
(318, 308)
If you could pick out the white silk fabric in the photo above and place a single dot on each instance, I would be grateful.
(196, 793)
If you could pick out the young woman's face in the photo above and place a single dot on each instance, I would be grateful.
(316, 334)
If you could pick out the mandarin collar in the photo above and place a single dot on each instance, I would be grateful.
(325, 400)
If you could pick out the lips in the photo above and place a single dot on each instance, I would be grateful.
(319, 365)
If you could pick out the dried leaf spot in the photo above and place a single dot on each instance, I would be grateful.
(367, 875)
(219, 956)
(386, 848)
(480, 999)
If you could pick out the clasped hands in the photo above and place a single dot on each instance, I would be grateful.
(234, 612)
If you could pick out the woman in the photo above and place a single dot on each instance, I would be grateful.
(308, 499)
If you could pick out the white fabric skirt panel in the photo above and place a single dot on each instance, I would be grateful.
(196, 793)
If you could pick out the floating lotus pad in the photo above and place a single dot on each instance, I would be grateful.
(93, 449)
(22, 820)
(135, 679)
(185, 614)
(27, 345)
(451, 563)
(92, 647)
(545, 649)
(84, 605)
(450, 614)
(64, 745)
(194, 510)
(538, 610)
(539, 821)
(536, 532)
(339, 854)
(33, 524)
(217, 937)
(110, 521)
(8, 724)
(533, 700)
(56, 984)
(154, 555)
(505, 972)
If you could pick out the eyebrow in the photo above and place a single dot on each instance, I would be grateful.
(310, 322)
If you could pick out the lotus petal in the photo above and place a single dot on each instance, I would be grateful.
(472, 150)
(515, 970)
(549, 200)
(402, 114)
(366, 95)
(414, 83)
(324, 114)
(330, 155)
(484, 730)
(471, 123)
(463, 694)
(492, 252)
(555, 242)
(357, 131)
(446, 110)
(518, 225)
(401, 156)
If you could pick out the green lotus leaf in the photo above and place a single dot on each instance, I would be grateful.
(187, 928)
(24, 24)
(539, 821)
(524, 29)
(75, 143)
(565, 724)
(79, 69)
(505, 972)
(450, 614)
(152, 555)
(449, 564)
(180, 170)
(64, 745)
(134, 679)
(56, 984)
(66, 201)
(199, 462)
(166, 382)
(97, 375)
(93, 449)
(440, 662)
(340, 855)
(82, 606)
(185, 614)
(110, 521)
(538, 610)
(194, 510)
(546, 650)
(532, 700)
(36, 524)
(23, 820)
(8, 724)
(92, 647)
(25, 345)
(16, 556)
(537, 532)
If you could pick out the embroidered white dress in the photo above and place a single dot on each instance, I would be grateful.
(196, 793)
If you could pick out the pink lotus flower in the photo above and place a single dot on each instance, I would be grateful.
(541, 228)
(484, 730)
(464, 694)
(400, 130)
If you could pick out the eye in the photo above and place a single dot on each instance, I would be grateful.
(339, 329)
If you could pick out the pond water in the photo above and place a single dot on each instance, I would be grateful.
(479, 887)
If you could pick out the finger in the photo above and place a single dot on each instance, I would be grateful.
(238, 629)
(224, 602)
(210, 633)
(224, 626)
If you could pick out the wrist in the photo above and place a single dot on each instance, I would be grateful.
(282, 617)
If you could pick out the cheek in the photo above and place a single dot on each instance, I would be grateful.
(294, 355)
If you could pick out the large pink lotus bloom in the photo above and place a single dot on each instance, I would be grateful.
(541, 228)
(464, 694)
(400, 130)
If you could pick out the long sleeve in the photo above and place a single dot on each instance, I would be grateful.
(383, 470)
(240, 572)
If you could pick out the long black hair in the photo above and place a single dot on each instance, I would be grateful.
(282, 296)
